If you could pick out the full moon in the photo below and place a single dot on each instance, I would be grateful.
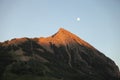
(78, 19)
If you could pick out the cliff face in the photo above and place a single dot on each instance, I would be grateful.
(62, 56)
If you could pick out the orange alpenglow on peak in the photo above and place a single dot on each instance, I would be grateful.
(64, 38)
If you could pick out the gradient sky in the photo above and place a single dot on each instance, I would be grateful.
(99, 22)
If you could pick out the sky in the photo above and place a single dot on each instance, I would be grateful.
(99, 22)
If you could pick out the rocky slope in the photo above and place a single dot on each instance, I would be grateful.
(62, 56)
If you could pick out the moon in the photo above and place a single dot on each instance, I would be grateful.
(78, 19)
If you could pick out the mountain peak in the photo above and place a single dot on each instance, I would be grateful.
(61, 56)
(64, 38)
(70, 38)
(62, 32)
(62, 29)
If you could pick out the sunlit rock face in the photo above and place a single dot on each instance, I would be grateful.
(62, 56)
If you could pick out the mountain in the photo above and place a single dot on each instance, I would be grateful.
(62, 56)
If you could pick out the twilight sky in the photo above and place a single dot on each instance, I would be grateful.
(99, 22)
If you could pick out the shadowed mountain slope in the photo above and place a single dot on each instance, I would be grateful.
(62, 56)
